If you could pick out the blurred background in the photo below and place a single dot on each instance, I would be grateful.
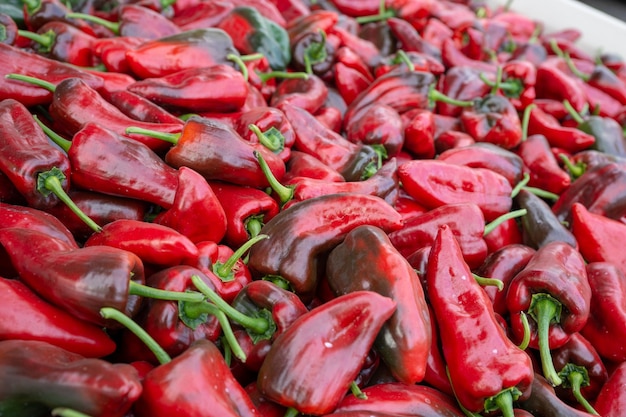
(616, 8)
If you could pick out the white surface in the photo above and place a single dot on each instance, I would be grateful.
(600, 32)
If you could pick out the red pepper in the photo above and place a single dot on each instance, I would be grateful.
(196, 212)
(411, 40)
(608, 309)
(302, 233)
(419, 133)
(434, 184)
(543, 401)
(218, 88)
(366, 50)
(451, 56)
(353, 161)
(39, 12)
(397, 399)
(79, 280)
(553, 288)
(452, 139)
(101, 208)
(416, 61)
(51, 377)
(312, 53)
(487, 155)
(307, 93)
(312, 22)
(487, 372)
(461, 83)
(134, 20)
(611, 401)
(582, 370)
(339, 331)
(506, 233)
(19, 61)
(553, 82)
(493, 119)
(380, 125)
(568, 138)
(139, 108)
(190, 49)
(28, 317)
(544, 169)
(404, 341)
(349, 81)
(111, 52)
(503, 264)
(200, 379)
(277, 134)
(201, 14)
(151, 242)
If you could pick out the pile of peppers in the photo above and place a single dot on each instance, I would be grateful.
(349, 208)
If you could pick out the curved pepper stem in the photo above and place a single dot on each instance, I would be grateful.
(575, 170)
(33, 80)
(67, 412)
(195, 313)
(224, 270)
(285, 75)
(45, 40)
(112, 26)
(155, 348)
(272, 139)
(526, 339)
(315, 53)
(537, 191)
(167, 137)
(240, 64)
(158, 294)
(402, 57)
(278, 281)
(50, 182)
(56, 138)
(258, 325)
(501, 219)
(526, 120)
(503, 401)
(576, 377)
(483, 282)
(356, 391)
(253, 225)
(292, 412)
(578, 118)
(383, 14)
(435, 95)
(285, 193)
(546, 310)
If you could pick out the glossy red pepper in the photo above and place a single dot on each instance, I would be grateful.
(607, 310)
(611, 401)
(196, 212)
(302, 233)
(277, 134)
(341, 331)
(419, 133)
(111, 52)
(553, 82)
(200, 379)
(349, 81)
(190, 49)
(544, 169)
(79, 280)
(437, 183)
(404, 341)
(554, 290)
(28, 317)
(487, 373)
(543, 402)
(493, 119)
(308, 93)
(51, 377)
(218, 88)
(380, 125)
(411, 39)
(139, 108)
(302, 164)
(202, 15)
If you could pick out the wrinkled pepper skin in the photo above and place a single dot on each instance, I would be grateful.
(28, 317)
(80, 281)
(341, 331)
(38, 377)
(605, 326)
(366, 260)
(197, 383)
(435, 183)
(26, 152)
(482, 360)
(402, 399)
(299, 235)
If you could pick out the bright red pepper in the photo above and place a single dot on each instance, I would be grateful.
(611, 401)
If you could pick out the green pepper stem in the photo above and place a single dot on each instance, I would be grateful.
(542, 193)
(292, 412)
(576, 377)
(572, 67)
(435, 95)
(526, 339)
(572, 112)
(526, 120)
(383, 14)
(483, 282)
(32, 5)
(195, 309)
(278, 281)
(402, 56)
(545, 309)
(167, 137)
(224, 271)
(285, 75)
(112, 26)
(254, 224)
(285, 193)
(46, 40)
(501, 219)
(251, 57)
(137, 330)
(257, 325)
(67, 412)
(504, 402)
(575, 170)
(518, 187)
(49, 182)
(55, 137)
(240, 63)
(33, 80)
(356, 391)
(228, 352)
(158, 294)
(272, 139)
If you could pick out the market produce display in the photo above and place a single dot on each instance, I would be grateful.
(228, 208)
